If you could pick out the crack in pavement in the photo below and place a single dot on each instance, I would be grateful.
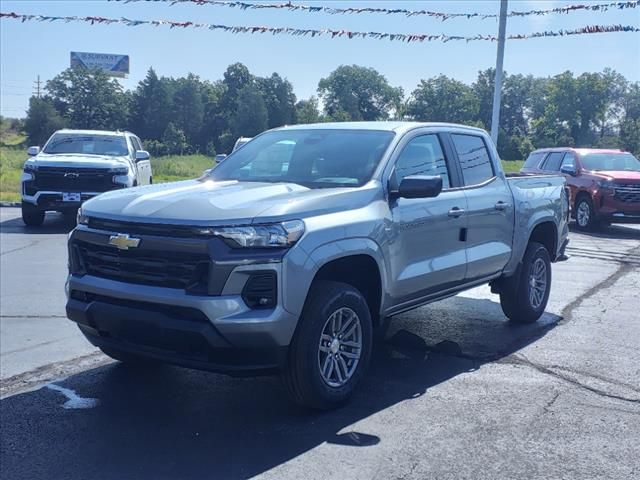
(550, 403)
(521, 360)
(35, 242)
(623, 269)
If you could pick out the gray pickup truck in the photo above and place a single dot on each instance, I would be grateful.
(286, 256)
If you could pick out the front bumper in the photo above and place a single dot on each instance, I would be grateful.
(49, 200)
(613, 209)
(218, 333)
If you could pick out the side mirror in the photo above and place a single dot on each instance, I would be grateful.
(142, 155)
(569, 170)
(33, 151)
(220, 157)
(419, 186)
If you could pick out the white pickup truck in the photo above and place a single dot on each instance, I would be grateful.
(76, 165)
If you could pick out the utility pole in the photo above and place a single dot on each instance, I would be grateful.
(497, 88)
(37, 87)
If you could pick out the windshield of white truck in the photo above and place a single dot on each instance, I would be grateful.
(108, 145)
(611, 162)
(315, 158)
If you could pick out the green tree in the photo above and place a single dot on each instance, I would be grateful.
(175, 141)
(251, 116)
(307, 111)
(358, 93)
(89, 99)
(188, 108)
(279, 99)
(151, 107)
(443, 99)
(42, 120)
(630, 124)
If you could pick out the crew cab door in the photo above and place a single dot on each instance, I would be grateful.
(427, 253)
(490, 209)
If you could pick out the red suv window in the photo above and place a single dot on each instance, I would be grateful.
(553, 162)
(534, 160)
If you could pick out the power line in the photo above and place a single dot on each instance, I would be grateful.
(289, 6)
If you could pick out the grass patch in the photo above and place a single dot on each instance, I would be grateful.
(512, 166)
(176, 167)
(165, 169)
(11, 161)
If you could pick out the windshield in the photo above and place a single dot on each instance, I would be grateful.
(611, 162)
(314, 158)
(109, 145)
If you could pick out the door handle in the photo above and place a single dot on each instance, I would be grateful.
(501, 205)
(455, 212)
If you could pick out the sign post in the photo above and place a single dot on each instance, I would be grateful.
(497, 88)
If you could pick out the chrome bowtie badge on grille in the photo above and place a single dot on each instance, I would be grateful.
(71, 175)
(123, 241)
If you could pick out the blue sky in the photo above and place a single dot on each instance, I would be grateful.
(30, 49)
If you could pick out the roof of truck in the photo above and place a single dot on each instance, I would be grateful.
(581, 151)
(92, 132)
(392, 126)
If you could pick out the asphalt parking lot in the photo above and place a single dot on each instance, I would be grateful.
(454, 391)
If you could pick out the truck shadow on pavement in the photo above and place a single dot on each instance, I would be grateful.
(167, 422)
(53, 223)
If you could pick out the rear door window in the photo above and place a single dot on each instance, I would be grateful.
(553, 162)
(474, 158)
(534, 160)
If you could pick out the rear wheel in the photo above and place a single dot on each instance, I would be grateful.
(32, 216)
(525, 300)
(331, 348)
(585, 214)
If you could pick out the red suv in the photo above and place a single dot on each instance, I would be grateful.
(604, 184)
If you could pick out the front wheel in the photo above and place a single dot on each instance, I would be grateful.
(32, 216)
(525, 300)
(331, 348)
(585, 214)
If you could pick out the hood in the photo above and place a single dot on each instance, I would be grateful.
(216, 203)
(78, 161)
(619, 175)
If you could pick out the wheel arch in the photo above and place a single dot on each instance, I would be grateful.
(357, 261)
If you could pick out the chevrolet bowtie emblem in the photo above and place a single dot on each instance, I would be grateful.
(123, 241)
(71, 175)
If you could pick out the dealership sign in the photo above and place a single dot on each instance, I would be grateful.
(111, 64)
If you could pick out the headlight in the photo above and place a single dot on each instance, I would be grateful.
(30, 167)
(82, 219)
(606, 185)
(119, 171)
(277, 235)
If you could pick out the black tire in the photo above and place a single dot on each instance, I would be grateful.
(585, 214)
(128, 358)
(302, 375)
(32, 216)
(516, 301)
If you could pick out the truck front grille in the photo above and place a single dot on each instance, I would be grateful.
(187, 271)
(627, 193)
(74, 179)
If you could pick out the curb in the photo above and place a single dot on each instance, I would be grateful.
(9, 204)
